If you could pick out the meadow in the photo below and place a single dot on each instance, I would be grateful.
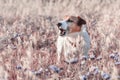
(28, 34)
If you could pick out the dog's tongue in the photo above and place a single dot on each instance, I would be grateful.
(62, 32)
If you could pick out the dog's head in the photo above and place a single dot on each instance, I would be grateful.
(70, 24)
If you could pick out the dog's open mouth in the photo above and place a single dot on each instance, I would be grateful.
(62, 32)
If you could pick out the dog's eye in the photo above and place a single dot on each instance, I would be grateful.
(69, 20)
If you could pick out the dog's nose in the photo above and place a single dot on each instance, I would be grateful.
(59, 24)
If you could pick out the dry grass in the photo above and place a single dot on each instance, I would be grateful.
(28, 34)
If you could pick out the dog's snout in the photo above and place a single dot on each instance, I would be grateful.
(59, 24)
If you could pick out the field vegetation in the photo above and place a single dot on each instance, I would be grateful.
(28, 34)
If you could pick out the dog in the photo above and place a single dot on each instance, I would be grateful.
(69, 31)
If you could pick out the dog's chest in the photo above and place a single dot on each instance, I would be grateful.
(70, 41)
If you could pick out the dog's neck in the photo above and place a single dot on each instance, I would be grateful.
(83, 29)
(72, 34)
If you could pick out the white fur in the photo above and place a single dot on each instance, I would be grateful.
(64, 45)
(64, 25)
(86, 39)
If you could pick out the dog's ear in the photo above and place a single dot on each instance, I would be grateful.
(80, 21)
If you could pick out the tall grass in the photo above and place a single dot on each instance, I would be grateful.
(28, 34)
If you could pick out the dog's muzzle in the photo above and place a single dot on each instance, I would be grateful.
(62, 31)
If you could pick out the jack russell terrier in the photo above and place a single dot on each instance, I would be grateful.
(69, 31)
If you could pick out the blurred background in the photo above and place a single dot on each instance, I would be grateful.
(28, 35)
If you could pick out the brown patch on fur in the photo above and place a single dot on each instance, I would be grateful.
(75, 28)
(76, 23)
